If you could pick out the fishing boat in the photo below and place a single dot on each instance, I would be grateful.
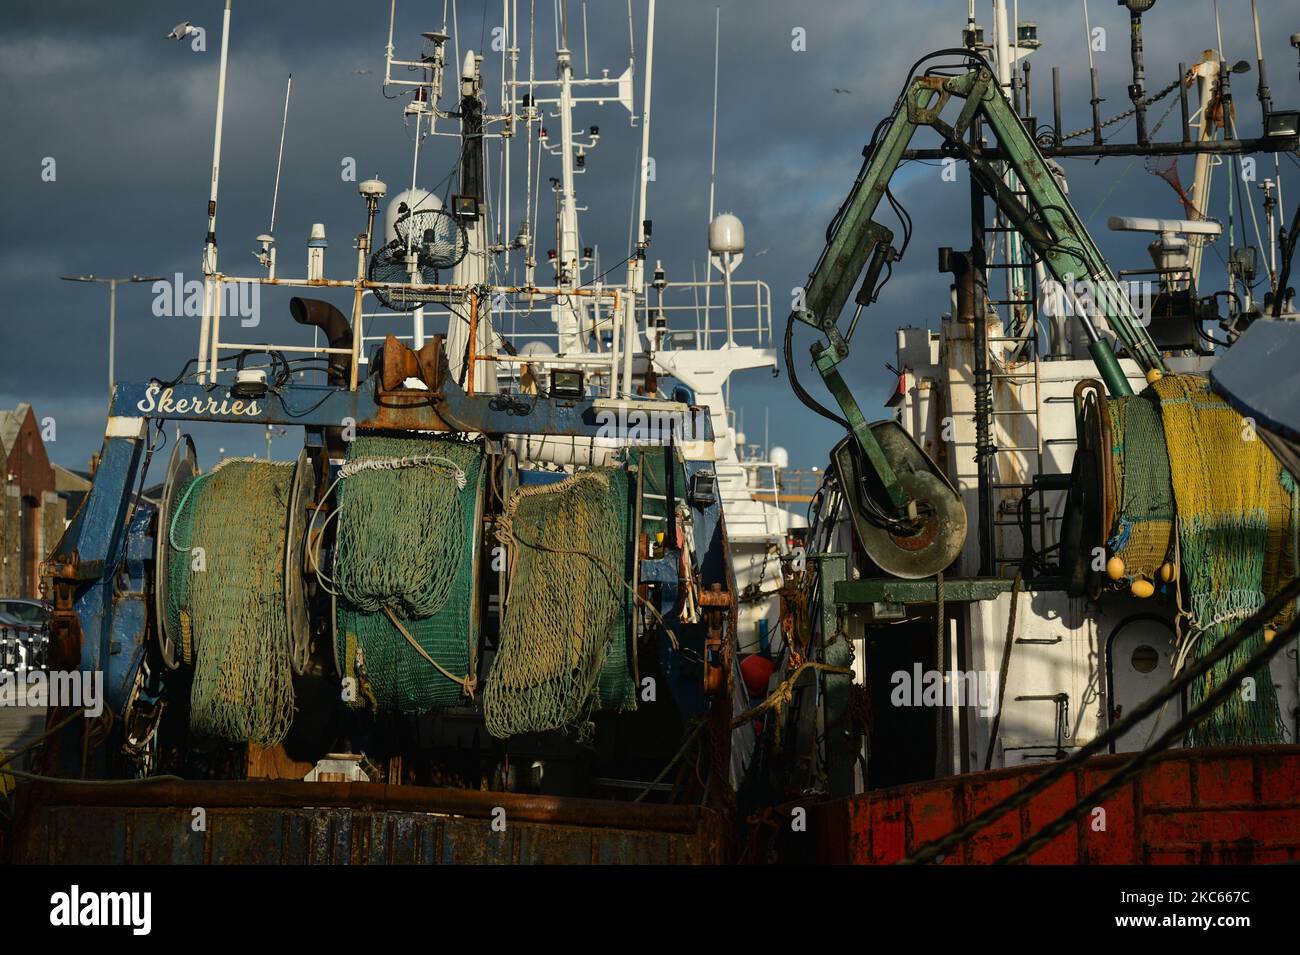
(497, 580)
(1050, 594)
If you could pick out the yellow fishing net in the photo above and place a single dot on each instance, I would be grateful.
(227, 563)
(564, 648)
(1235, 517)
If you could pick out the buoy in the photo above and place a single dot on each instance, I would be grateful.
(1153, 376)
(1115, 568)
(756, 671)
(1166, 572)
(1142, 588)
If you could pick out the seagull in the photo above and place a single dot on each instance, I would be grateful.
(361, 72)
(836, 89)
(180, 31)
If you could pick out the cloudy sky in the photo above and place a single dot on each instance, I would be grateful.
(127, 118)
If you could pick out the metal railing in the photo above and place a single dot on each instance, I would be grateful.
(792, 485)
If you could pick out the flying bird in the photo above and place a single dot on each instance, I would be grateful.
(836, 89)
(180, 31)
(361, 72)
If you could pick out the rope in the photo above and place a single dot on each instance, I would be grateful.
(37, 777)
(6, 759)
(1004, 669)
(781, 696)
(681, 751)
(1207, 707)
(1099, 743)
(469, 682)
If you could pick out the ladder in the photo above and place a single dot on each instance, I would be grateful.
(1019, 310)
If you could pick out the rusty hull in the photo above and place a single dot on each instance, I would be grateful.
(348, 823)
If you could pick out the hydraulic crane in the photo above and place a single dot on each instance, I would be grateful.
(909, 517)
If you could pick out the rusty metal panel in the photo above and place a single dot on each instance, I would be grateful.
(472, 841)
(345, 823)
(164, 838)
(95, 836)
(636, 848)
(1229, 805)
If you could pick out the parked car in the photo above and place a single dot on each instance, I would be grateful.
(24, 633)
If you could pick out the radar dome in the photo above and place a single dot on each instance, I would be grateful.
(536, 350)
(726, 234)
(408, 200)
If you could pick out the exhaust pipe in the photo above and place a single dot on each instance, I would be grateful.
(337, 329)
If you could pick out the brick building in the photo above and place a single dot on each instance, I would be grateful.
(31, 511)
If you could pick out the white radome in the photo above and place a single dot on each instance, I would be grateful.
(415, 200)
(537, 350)
(726, 234)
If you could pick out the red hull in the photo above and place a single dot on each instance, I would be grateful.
(1203, 806)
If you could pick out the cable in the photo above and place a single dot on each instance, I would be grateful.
(37, 777)
(1135, 765)
(799, 390)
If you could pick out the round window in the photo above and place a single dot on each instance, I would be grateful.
(1145, 659)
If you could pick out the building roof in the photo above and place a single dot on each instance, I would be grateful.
(11, 423)
(66, 479)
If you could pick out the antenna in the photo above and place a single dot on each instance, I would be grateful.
(713, 165)
(586, 69)
(284, 125)
(267, 255)
(713, 151)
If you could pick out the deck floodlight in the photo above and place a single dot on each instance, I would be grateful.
(567, 383)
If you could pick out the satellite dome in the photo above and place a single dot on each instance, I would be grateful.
(726, 234)
(408, 200)
(780, 457)
(536, 350)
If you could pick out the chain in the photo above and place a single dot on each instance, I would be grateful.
(1154, 98)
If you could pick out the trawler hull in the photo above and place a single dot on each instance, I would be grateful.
(1222, 806)
(339, 823)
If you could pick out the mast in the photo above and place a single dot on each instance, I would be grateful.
(210, 295)
(636, 264)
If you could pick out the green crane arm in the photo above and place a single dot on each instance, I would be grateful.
(1047, 222)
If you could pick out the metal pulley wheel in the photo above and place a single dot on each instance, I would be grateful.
(914, 549)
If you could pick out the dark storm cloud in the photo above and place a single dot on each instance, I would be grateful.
(128, 118)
